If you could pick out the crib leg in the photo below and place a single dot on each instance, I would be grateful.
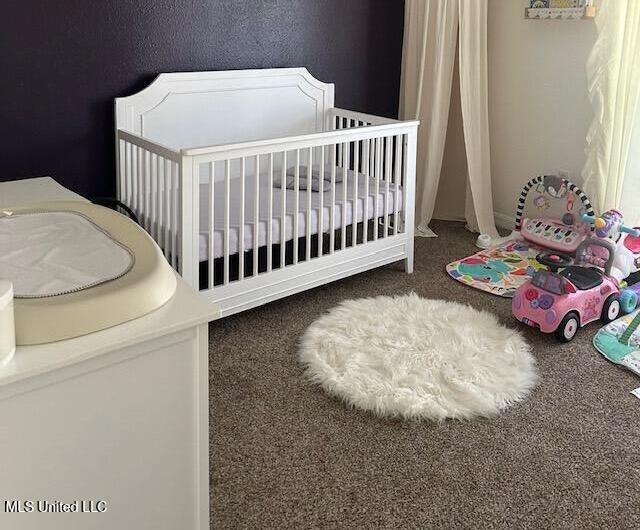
(408, 261)
(408, 265)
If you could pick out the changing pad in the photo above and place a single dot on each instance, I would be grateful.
(82, 295)
(55, 253)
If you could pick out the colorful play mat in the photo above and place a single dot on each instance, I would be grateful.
(499, 270)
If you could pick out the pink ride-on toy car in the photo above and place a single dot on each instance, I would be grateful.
(562, 302)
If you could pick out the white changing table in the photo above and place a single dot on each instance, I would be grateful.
(115, 420)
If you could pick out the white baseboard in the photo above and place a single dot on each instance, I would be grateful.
(504, 221)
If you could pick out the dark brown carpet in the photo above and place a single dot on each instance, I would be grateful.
(284, 455)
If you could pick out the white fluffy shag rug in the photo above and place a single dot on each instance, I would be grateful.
(415, 358)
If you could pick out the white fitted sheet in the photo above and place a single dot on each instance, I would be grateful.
(264, 189)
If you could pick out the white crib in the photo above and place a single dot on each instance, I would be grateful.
(214, 165)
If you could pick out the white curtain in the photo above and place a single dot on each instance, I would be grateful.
(612, 170)
(432, 28)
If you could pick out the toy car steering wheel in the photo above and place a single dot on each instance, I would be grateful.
(554, 260)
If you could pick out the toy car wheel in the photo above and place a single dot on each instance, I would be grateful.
(568, 327)
(628, 301)
(611, 309)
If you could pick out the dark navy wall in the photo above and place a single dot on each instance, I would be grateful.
(62, 62)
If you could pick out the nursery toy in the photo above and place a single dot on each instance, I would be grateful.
(559, 199)
(562, 302)
(548, 216)
(619, 342)
(561, 236)
(557, 230)
(610, 226)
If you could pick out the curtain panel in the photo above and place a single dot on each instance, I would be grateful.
(612, 169)
(432, 28)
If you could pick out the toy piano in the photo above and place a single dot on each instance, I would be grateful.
(554, 235)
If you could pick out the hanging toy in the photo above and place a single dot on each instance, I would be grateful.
(541, 202)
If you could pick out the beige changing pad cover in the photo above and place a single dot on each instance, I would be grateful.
(136, 282)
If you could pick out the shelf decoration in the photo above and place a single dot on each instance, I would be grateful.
(560, 9)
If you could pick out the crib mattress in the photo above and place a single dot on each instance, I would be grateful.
(369, 199)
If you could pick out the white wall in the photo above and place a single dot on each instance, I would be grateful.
(539, 113)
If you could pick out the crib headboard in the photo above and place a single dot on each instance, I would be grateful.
(192, 109)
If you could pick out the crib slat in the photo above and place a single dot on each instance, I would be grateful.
(283, 213)
(120, 160)
(340, 146)
(296, 207)
(377, 166)
(176, 191)
(132, 169)
(122, 168)
(149, 192)
(345, 175)
(132, 179)
(136, 181)
(365, 200)
(147, 189)
(243, 167)
(309, 191)
(143, 188)
(168, 209)
(227, 194)
(396, 183)
(320, 227)
(403, 181)
(212, 225)
(270, 213)
(151, 171)
(148, 165)
(138, 184)
(127, 172)
(336, 127)
(256, 218)
(122, 153)
(332, 219)
(158, 196)
(152, 194)
(354, 206)
(387, 177)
